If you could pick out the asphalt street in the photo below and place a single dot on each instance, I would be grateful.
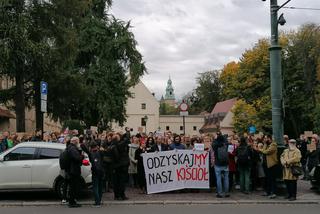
(168, 209)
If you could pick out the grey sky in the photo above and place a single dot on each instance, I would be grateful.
(181, 38)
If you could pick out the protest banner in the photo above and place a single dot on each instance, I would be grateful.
(177, 169)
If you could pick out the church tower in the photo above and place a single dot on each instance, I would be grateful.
(169, 97)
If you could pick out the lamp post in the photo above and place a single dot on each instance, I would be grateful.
(145, 123)
(276, 72)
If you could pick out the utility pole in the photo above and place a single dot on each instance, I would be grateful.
(276, 73)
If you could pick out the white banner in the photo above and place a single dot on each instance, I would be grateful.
(176, 169)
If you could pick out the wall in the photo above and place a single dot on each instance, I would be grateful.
(226, 125)
(175, 121)
(141, 95)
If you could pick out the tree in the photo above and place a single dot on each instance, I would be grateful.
(229, 83)
(301, 82)
(245, 115)
(250, 79)
(166, 109)
(87, 56)
(207, 92)
(16, 56)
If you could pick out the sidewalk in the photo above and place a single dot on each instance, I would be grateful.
(305, 196)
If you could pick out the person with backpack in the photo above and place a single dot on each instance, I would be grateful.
(244, 162)
(221, 155)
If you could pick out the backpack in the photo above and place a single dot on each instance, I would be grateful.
(222, 155)
(64, 160)
(243, 156)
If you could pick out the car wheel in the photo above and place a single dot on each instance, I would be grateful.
(59, 188)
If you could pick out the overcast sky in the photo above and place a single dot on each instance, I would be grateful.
(181, 38)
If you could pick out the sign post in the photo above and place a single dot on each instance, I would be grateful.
(43, 94)
(184, 112)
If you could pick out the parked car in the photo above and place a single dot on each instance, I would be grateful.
(35, 166)
(315, 178)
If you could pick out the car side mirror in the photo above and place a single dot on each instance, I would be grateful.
(1, 158)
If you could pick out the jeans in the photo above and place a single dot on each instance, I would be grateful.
(245, 179)
(97, 185)
(222, 172)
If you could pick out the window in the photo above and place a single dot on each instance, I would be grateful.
(194, 128)
(46, 153)
(181, 128)
(143, 122)
(133, 95)
(167, 128)
(24, 153)
(143, 106)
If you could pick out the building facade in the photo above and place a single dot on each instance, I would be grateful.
(142, 111)
(220, 119)
(174, 123)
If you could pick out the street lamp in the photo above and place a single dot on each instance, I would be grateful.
(276, 73)
(145, 123)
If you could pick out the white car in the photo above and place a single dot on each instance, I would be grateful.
(35, 166)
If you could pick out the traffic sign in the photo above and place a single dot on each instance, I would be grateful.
(184, 113)
(252, 129)
(44, 87)
(43, 106)
(183, 106)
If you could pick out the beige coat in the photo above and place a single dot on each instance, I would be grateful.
(290, 158)
(271, 152)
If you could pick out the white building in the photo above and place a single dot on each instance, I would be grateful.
(174, 123)
(142, 105)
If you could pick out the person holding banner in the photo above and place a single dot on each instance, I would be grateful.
(177, 143)
(160, 146)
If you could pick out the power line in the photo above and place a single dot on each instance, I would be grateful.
(302, 8)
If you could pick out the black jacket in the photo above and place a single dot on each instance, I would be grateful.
(96, 160)
(75, 160)
(155, 148)
(120, 153)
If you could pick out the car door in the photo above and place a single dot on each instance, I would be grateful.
(45, 168)
(15, 169)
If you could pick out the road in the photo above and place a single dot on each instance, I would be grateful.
(168, 209)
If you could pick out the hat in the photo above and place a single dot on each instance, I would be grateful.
(292, 141)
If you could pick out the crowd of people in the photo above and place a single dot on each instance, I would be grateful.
(246, 163)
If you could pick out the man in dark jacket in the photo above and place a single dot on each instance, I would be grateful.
(73, 171)
(121, 163)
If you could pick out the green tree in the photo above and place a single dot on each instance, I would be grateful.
(87, 56)
(207, 92)
(245, 115)
(166, 109)
(16, 55)
(301, 82)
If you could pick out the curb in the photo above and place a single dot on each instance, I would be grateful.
(161, 202)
